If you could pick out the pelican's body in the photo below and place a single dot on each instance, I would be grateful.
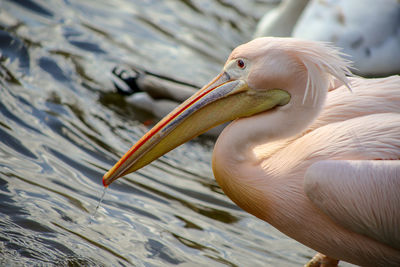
(274, 177)
(316, 161)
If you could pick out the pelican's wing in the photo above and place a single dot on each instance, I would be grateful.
(368, 96)
(361, 195)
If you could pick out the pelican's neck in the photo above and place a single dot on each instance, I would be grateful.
(236, 163)
(240, 138)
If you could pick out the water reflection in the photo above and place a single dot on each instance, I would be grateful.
(62, 126)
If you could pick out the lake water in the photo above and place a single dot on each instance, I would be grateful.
(62, 126)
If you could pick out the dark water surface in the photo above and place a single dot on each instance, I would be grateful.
(62, 126)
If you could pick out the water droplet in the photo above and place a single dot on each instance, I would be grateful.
(98, 204)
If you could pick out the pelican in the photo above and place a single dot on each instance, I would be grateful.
(304, 153)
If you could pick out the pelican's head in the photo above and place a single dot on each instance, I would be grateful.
(257, 77)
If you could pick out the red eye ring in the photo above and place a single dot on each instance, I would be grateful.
(240, 63)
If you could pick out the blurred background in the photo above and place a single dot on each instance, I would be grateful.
(63, 123)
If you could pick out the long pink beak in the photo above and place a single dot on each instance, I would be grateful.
(222, 100)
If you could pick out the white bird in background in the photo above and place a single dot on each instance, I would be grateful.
(280, 21)
(366, 30)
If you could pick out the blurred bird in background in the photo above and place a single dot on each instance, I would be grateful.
(368, 31)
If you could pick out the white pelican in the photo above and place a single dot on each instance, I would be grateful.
(316, 161)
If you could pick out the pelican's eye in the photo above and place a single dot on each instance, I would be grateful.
(240, 63)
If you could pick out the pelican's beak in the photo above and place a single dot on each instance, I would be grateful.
(222, 100)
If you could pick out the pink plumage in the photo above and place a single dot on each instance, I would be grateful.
(318, 161)
(307, 184)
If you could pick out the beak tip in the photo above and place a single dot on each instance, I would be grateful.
(105, 180)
